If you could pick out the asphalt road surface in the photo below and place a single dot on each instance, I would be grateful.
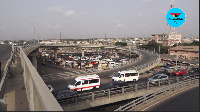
(5, 52)
(186, 101)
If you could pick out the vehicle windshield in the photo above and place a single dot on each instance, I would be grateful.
(117, 75)
(73, 83)
(112, 85)
(155, 77)
(178, 70)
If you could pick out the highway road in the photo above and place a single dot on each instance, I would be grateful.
(5, 52)
(62, 84)
(185, 101)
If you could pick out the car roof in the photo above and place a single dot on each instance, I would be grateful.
(160, 75)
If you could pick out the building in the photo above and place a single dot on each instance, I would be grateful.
(185, 52)
(167, 39)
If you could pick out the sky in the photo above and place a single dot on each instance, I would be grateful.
(73, 19)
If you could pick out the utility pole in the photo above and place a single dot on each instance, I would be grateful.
(60, 37)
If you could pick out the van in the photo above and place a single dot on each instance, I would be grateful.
(87, 82)
(129, 75)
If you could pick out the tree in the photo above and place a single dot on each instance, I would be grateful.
(120, 44)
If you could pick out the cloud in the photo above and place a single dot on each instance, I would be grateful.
(62, 10)
(119, 25)
(141, 25)
(146, 1)
(139, 14)
(54, 26)
(69, 13)
(56, 9)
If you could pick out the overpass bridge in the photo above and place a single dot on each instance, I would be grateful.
(37, 92)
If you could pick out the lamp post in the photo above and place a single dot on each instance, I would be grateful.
(176, 58)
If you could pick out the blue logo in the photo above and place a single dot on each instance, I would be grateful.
(175, 17)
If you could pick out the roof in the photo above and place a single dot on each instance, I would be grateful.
(128, 71)
(160, 75)
(185, 48)
(87, 77)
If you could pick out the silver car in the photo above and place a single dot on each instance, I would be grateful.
(158, 77)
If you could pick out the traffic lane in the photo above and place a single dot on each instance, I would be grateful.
(49, 68)
(62, 84)
(5, 51)
(186, 101)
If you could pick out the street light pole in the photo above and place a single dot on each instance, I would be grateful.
(176, 58)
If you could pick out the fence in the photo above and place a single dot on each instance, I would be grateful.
(151, 96)
(122, 90)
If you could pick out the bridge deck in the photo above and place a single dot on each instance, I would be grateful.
(15, 92)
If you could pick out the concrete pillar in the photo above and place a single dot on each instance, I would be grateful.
(55, 53)
(33, 58)
(82, 52)
(34, 61)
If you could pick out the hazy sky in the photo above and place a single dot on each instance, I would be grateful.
(92, 18)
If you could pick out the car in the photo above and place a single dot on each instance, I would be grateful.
(179, 72)
(194, 69)
(43, 63)
(158, 77)
(191, 72)
(51, 89)
(162, 72)
(115, 85)
(65, 95)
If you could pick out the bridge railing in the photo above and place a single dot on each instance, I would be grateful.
(38, 95)
(121, 90)
(151, 96)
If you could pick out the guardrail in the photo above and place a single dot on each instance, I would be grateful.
(151, 96)
(38, 95)
(121, 90)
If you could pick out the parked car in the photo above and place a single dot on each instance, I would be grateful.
(65, 95)
(191, 72)
(158, 77)
(179, 72)
(115, 85)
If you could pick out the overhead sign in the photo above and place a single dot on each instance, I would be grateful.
(175, 17)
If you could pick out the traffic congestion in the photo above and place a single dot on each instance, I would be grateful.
(98, 62)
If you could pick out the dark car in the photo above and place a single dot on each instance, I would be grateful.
(116, 84)
(162, 72)
(194, 69)
(191, 72)
(65, 96)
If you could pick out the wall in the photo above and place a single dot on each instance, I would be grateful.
(38, 95)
